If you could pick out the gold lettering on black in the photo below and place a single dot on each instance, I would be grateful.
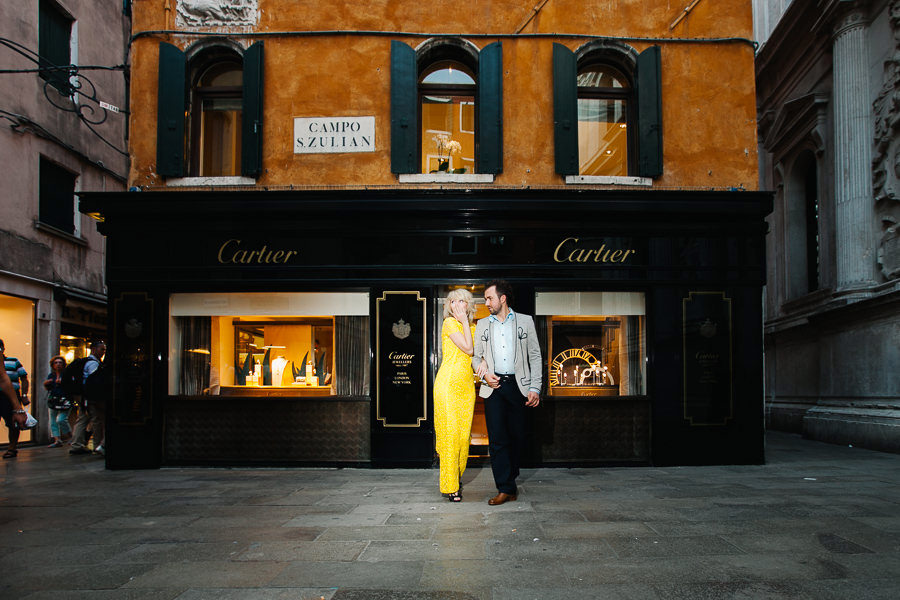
(231, 253)
(570, 251)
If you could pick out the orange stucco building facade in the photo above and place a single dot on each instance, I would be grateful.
(335, 61)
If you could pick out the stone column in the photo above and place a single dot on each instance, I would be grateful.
(853, 134)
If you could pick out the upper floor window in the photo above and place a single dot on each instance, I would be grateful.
(54, 45)
(211, 124)
(56, 197)
(446, 107)
(215, 115)
(447, 124)
(604, 107)
(607, 110)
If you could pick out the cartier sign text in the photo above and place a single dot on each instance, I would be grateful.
(234, 252)
(570, 250)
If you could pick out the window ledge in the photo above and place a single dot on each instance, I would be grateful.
(446, 178)
(60, 233)
(812, 299)
(607, 180)
(204, 181)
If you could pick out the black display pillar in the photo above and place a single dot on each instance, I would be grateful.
(402, 422)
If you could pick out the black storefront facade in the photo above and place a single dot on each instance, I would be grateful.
(298, 327)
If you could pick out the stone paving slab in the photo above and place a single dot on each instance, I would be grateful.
(439, 550)
(303, 551)
(207, 574)
(386, 575)
(260, 594)
(816, 522)
(117, 594)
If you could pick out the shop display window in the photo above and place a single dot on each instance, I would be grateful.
(72, 347)
(17, 332)
(242, 350)
(284, 353)
(596, 347)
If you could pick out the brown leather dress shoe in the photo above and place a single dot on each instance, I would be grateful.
(501, 498)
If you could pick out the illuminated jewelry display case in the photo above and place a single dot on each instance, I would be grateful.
(584, 356)
(283, 353)
(595, 343)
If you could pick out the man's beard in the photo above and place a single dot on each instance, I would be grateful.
(493, 310)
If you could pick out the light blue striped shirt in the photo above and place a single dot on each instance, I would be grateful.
(15, 370)
(503, 343)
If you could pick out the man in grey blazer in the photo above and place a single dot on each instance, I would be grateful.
(507, 358)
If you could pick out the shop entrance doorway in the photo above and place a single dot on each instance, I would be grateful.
(17, 332)
(478, 445)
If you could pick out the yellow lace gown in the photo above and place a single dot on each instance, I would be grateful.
(454, 403)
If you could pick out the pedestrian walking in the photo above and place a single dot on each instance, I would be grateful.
(11, 408)
(93, 402)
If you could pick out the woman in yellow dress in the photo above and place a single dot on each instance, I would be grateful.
(454, 391)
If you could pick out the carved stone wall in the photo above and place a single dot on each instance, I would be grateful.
(216, 13)
(886, 156)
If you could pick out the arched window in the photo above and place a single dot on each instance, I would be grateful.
(607, 110)
(209, 120)
(447, 118)
(446, 107)
(604, 111)
(215, 116)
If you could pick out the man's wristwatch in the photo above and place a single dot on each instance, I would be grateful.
(21, 411)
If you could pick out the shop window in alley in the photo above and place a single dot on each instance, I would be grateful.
(446, 108)
(54, 45)
(607, 110)
(217, 132)
(56, 202)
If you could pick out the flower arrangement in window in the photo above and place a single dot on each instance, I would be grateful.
(445, 149)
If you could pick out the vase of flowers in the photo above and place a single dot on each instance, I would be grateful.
(445, 149)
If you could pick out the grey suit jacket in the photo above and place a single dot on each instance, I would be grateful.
(529, 366)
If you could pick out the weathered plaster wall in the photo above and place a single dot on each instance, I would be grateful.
(100, 37)
(709, 116)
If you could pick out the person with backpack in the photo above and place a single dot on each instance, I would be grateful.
(11, 409)
(93, 402)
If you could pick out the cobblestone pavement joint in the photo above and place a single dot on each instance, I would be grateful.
(817, 521)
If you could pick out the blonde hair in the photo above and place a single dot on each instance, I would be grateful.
(460, 294)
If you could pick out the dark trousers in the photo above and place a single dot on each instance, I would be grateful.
(504, 413)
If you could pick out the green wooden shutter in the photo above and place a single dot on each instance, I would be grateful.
(565, 110)
(649, 101)
(404, 111)
(170, 112)
(489, 133)
(252, 116)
